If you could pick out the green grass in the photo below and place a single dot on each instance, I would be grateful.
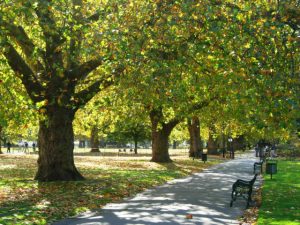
(109, 179)
(281, 196)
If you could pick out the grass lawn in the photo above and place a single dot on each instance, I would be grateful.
(109, 179)
(281, 196)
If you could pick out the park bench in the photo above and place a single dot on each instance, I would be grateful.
(242, 188)
(258, 166)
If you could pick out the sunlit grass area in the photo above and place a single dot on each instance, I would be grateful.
(110, 178)
(281, 196)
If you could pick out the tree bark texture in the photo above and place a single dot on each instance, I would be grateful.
(160, 136)
(160, 146)
(196, 146)
(95, 139)
(56, 145)
(212, 145)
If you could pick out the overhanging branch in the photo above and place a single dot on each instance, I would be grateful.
(82, 97)
(52, 35)
(18, 34)
(86, 68)
(24, 72)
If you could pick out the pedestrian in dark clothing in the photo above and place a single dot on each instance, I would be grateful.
(8, 144)
(256, 151)
(33, 147)
(26, 147)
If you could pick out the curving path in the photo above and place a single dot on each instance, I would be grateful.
(205, 195)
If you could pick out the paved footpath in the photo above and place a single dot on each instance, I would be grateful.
(205, 195)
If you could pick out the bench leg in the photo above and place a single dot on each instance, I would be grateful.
(249, 198)
(233, 197)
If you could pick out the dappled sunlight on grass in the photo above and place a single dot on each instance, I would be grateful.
(109, 179)
(281, 196)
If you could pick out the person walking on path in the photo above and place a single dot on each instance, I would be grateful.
(33, 147)
(202, 198)
(8, 144)
(25, 147)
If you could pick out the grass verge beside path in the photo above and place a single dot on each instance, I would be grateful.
(281, 196)
(109, 179)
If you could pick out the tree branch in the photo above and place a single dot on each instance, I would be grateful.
(205, 103)
(96, 16)
(21, 69)
(52, 35)
(18, 34)
(172, 123)
(82, 97)
(85, 68)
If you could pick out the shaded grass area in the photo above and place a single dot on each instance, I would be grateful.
(281, 196)
(24, 201)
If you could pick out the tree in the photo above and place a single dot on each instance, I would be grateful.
(53, 48)
(126, 130)
(220, 51)
(128, 122)
(164, 66)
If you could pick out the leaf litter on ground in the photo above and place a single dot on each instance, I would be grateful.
(108, 179)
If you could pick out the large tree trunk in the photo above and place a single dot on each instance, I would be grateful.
(160, 137)
(212, 145)
(56, 145)
(95, 139)
(196, 146)
(160, 146)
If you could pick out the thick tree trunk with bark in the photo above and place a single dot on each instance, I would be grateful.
(56, 145)
(212, 145)
(160, 146)
(95, 139)
(160, 137)
(195, 138)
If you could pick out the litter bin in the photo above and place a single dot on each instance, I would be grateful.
(271, 167)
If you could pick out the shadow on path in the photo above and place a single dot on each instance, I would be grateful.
(205, 195)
